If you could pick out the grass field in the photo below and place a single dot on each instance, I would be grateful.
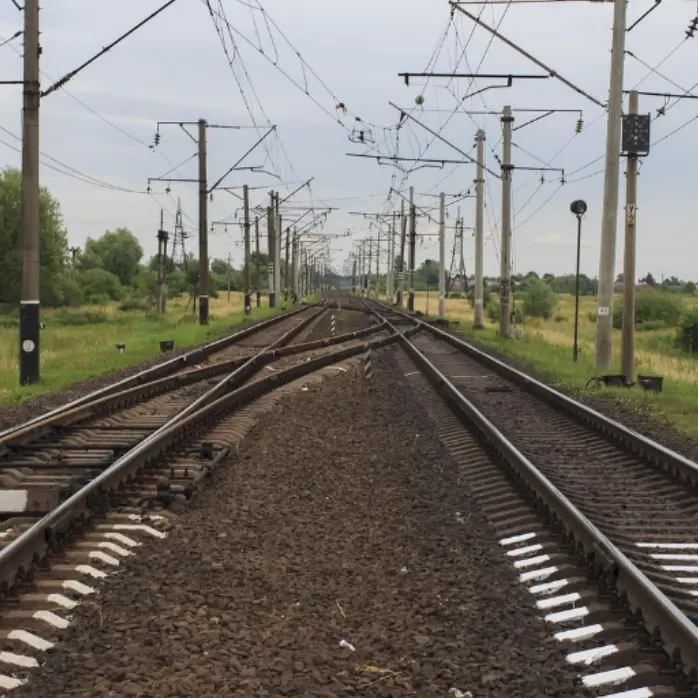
(71, 351)
(547, 346)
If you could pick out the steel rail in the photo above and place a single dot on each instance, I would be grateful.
(679, 635)
(21, 552)
(21, 437)
(163, 369)
(672, 461)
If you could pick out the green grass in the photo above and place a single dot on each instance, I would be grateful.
(546, 348)
(72, 352)
(677, 404)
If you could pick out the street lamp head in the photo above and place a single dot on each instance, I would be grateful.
(578, 207)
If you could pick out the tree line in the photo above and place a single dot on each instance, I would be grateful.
(110, 267)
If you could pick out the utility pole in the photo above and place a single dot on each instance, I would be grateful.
(247, 304)
(258, 271)
(203, 226)
(403, 235)
(294, 267)
(277, 248)
(161, 296)
(230, 268)
(442, 254)
(353, 277)
(413, 249)
(30, 304)
(287, 270)
(479, 291)
(74, 261)
(505, 283)
(609, 216)
(390, 279)
(378, 260)
(628, 334)
(271, 244)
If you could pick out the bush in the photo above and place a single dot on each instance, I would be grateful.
(97, 282)
(540, 300)
(132, 304)
(82, 317)
(687, 332)
(560, 318)
(492, 311)
(661, 309)
(486, 297)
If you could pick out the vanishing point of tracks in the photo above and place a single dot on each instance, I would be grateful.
(600, 521)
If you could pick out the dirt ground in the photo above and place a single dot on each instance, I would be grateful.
(329, 559)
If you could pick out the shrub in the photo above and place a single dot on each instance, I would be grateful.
(492, 311)
(661, 309)
(486, 297)
(687, 332)
(82, 317)
(560, 318)
(540, 299)
(132, 304)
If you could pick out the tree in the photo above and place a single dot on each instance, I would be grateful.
(540, 299)
(220, 267)
(118, 252)
(648, 279)
(53, 240)
(428, 273)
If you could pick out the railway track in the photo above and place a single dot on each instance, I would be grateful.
(563, 484)
(80, 487)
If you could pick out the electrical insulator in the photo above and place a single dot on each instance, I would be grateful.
(157, 138)
(168, 189)
(562, 179)
(692, 26)
(579, 126)
(542, 178)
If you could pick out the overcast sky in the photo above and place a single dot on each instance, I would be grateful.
(175, 68)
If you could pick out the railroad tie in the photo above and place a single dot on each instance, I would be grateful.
(368, 368)
(333, 326)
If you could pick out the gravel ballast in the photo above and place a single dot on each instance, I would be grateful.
(336, 556)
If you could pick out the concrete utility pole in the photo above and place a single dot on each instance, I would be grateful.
(287, 270)
(271, 244)
(294, 267)
(413, 249)
(403, 235)
(256, 249)
(277, 248)
(378, 260)
(442, 254)
(353, 277)
(161, 285)
(74, 261)
(390, 279)
(203, 226)
(30, 304)
(505, 283)
(370, 260)
(628, 335)
(230, 269)
(609, 215)
(479, 290)
(248, 266)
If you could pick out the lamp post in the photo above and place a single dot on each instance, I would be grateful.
(579, 208)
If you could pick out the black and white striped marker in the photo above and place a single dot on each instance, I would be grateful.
(368, 368)
(333, 326)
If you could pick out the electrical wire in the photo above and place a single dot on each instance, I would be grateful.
(70, 171)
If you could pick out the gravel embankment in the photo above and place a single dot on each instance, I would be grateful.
(632, 413)
(335, 523)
